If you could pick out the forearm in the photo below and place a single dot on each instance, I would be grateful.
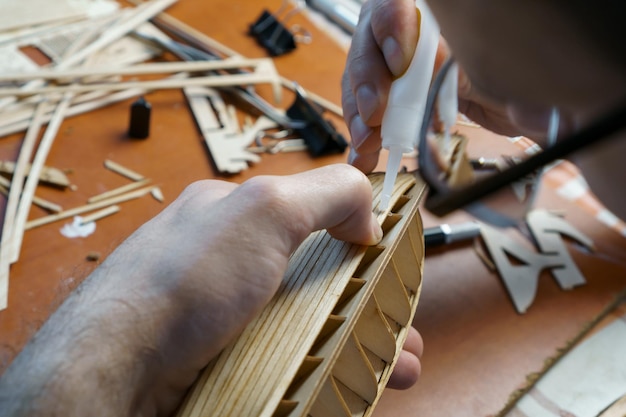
(81, 362)
(133, 337)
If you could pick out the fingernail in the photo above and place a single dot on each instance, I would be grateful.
(359, 131)
(377, 231)
(366, 101)
(393, 56)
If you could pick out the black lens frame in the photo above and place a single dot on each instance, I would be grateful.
(441, 201)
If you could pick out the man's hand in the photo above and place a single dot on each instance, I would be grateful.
(381, 50)
(135, 335)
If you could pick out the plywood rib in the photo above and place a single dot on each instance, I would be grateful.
(327, 342)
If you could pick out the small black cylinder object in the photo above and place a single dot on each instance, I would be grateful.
(139, 126)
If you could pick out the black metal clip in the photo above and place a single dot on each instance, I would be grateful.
(272, 33)
(319, 134)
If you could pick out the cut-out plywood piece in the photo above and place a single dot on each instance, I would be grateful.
(326, 315)
(521, 277)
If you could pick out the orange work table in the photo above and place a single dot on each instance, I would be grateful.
(478, 350)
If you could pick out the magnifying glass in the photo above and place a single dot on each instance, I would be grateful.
(499, 190)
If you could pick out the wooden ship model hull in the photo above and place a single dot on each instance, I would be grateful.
(326, 344)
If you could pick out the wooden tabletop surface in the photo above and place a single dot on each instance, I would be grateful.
(478, 350)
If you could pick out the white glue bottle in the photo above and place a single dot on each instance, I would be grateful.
(407, 100)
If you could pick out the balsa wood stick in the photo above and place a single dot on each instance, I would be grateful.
(264, 74)
(5, 185)
(142, 13)
(23, 111)
(100, 214)
(93, 100)
(123, 171)
(196, 37)
(120, 190)
(48, 175)
(33, 178)
(139, 69)
(8, 227)
(83, 40)
(87, 208)
(77, 109)
(19, 173)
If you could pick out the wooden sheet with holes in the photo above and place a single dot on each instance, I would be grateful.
(326, 344)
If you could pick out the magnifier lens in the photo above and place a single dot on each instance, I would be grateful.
(455, 162)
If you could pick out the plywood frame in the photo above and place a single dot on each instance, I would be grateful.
(328, 341)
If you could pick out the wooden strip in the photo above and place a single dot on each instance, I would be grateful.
(262, 75)
(139, 69)
(48, 175)
(120, 190)
(122, 170)
(140, 15)
(35, 170)
(96, 27)
(12, 229)
(19, 174)
(87, 208)
(100, 214)
(38, 201)
(95, 101)
(6, 245)
(206, 43)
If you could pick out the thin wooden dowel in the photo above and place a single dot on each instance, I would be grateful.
(5, 186)
(140, 15)
(48, 175)
(78, 109)
(92, 101)
(198, 37)
(139, 69)
(87, 208)
(47, 205)
(23, 111)
(123, 171)
(262, 76)
(84, 38)
(33, 178)
(120, 190)
(9, 226)
(19, 174)
(100, 214)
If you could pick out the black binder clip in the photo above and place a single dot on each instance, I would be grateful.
(272, 34)
(319, 134)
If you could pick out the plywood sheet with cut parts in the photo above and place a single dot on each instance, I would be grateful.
(328, 341)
